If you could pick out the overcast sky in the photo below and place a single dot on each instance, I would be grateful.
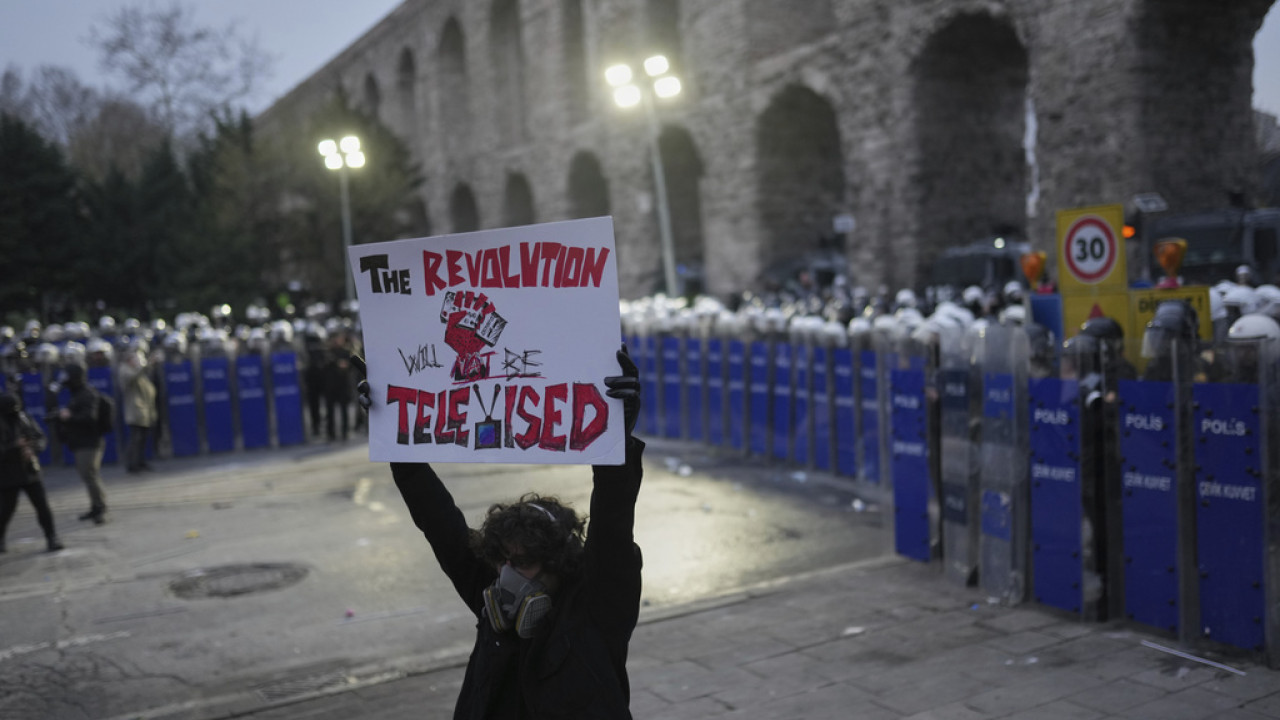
(304, 34)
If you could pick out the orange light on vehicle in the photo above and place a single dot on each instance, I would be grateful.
(1128, 231)
(1169, 253)
(1033, 266)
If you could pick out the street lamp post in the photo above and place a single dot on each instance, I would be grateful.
(340, 156)
(628, 94)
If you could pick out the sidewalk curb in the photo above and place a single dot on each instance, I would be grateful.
(249, 702)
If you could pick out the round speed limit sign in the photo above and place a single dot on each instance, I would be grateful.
(1090, 249)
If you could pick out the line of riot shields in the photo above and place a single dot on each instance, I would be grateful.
(1039, 470)
(215, 395)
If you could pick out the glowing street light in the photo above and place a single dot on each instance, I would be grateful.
(340, 155)
(628, 94)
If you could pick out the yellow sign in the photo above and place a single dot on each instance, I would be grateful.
(1091, 254)
(1076, 309)
(1143, 303)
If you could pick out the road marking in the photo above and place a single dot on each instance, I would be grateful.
(361, 494)
(16, 650)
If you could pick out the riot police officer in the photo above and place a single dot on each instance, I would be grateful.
(1169, 343)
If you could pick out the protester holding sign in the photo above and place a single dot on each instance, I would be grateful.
(556, 607)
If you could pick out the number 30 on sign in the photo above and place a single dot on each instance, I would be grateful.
(1090, 249)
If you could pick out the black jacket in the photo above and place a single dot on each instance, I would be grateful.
(80, 431)
(576, 667)
(17, 468)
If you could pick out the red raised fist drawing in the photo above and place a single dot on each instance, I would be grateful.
(472, 325)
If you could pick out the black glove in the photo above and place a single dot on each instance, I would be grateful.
(362, 387)
(626, 387)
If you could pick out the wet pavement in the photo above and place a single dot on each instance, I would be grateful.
(878, 638)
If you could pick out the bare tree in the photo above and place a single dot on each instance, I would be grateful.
(183, 71)
(52, 100)
(120, 135)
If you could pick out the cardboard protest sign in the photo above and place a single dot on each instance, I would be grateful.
(493, 346)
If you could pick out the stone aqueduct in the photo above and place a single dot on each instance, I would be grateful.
(912, 115)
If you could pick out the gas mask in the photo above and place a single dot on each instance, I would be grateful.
(516, 602)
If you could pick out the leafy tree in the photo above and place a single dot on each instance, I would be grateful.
(39, 220)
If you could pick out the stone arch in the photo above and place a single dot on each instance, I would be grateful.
(1194, 88)
(454, 86)
(970, 178)
(662, 30)
(576, 73)
(774, 27)
(372, 95)
(517, 202)
(464, 216)
(800, 176)
(506, 44)
(588, 187)
(683, 170)
(407, 89)
(416, 220)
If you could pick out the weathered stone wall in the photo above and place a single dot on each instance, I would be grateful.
(909, 114)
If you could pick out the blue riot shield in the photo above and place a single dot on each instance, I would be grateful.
(648, 365)
(286, 398)
(801, 402)
(672, 382)
(909, 462)
(759, 376)
(715, 407)
(869, 415)
(251, 398)
(215, 390)
(180, 397)
(1059, 548)
(845, 425)
(694, 389)
(1231, 532)
(782, 408)
(736, 395)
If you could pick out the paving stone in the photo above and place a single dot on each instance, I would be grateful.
(954, 711)
(1176, 675)
(1057, 710)
(927, 695)
(1118, 696)
(701, 707)
(1024, 696)
(1191, 704)
(1022, 642)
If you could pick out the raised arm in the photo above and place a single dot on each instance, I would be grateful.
(438, 517)
(612, 559)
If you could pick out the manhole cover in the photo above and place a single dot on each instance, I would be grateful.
(233, 580)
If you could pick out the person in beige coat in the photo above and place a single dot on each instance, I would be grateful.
(139, 395)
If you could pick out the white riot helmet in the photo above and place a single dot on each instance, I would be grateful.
(78, 331)
(1255, 328)
(906, 298)
(106, 325)
(1013, 315)
(1012, 292)
(1252, 347)
(74, 353)
(101, 352)
(46, 354)
(55, 333)
(1241, 301)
